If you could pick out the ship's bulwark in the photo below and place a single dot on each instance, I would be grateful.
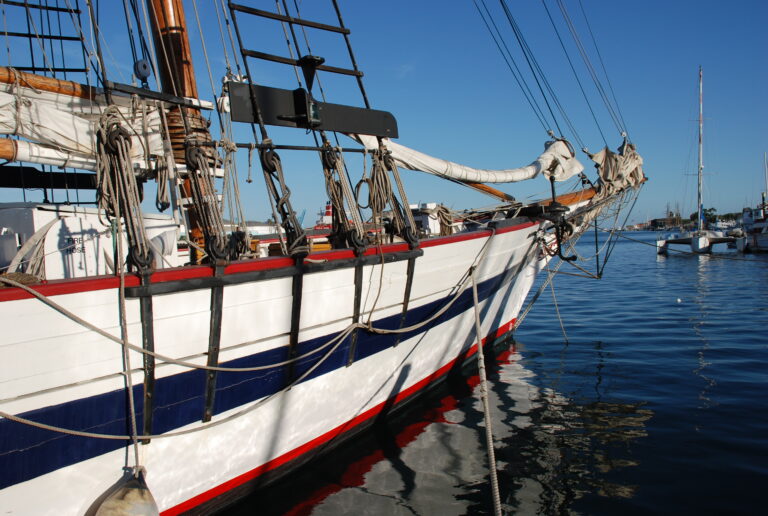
(186, 470)
(179, 398)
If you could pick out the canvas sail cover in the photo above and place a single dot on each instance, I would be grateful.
(618, 171)
(557, 161)
(61, 130)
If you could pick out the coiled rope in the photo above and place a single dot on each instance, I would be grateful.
(117, 189)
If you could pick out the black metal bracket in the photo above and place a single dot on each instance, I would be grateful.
(356, 311)
(558, 211)
(407, 294)
(296, 108)
(297, 293)
(148, 343)
(155, 95)
(12, 176)
(214, 344)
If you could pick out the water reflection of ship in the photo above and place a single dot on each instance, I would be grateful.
(551, 451)
(559, 449)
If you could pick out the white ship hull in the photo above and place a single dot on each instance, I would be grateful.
(58, 372)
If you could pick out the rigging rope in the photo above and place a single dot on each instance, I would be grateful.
(531, 61)
(231, 39)
(231, 186)
(575, 75)
(124, 338)
(602, 64)
(204, 195)
(590, 68)
(511, 64)
(484, 399)
(117, 190)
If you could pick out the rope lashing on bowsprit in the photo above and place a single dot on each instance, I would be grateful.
(117, 191)
(333, 344)
(484, 398)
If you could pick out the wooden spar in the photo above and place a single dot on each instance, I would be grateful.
(177, 77)
(39, 82)
(571, 198)
(7, 149)
(482, 187)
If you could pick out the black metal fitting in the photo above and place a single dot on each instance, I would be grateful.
(269, 160)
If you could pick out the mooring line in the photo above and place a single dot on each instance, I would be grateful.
(484, 398)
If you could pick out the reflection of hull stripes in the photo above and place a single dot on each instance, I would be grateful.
(339, 431)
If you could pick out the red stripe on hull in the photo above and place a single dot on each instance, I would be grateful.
(332, 434)
(73, 286)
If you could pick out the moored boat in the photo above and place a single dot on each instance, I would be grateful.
(700, 239)
(754, 237)
(124, 367)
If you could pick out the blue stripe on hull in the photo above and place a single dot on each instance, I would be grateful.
(27, 452)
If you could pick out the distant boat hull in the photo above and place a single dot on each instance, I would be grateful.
(699, 242)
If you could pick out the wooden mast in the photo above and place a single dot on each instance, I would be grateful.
(177, 77)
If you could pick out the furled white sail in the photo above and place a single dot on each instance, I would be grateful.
(557, 161)
(63, 129)
(618, 170)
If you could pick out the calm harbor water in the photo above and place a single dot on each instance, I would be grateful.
(657, 402)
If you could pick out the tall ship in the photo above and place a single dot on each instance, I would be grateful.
(142, 374)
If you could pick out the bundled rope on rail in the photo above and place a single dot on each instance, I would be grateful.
(117, 191)
(381, 194)
(204, 196)
(280, 196)
(340, 191)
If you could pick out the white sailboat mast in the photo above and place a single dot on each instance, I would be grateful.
(765, 169)
(701, 140)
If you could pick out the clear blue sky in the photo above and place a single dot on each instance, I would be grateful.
(438, 70)
(433, 65)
